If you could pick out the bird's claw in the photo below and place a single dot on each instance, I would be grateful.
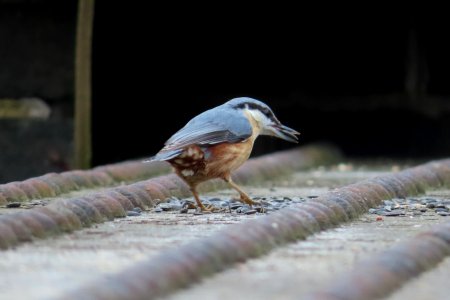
(247, 200)
(209, 208)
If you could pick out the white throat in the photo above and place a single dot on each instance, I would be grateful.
(259, 120)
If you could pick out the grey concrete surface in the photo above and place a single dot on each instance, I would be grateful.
(433, 284)
(295, 270)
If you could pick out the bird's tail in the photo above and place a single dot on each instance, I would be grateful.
(150, 159)
(164, 155)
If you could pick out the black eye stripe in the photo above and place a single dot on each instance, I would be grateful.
(262, 109)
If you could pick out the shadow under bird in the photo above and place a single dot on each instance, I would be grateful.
(220, 140)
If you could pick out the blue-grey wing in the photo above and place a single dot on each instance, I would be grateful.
(214, 126)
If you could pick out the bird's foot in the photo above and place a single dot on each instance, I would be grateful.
(247, 200)
(203, 208)
(200, 207)
(209, 208)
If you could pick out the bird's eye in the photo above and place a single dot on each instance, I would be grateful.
(267, 113)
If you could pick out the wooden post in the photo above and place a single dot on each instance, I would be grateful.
(83, 49)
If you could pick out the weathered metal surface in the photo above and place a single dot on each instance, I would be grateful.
(385, 272)
(70, 214)
(185, 265)
(56, 184)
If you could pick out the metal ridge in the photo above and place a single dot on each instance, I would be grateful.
(70, 214)
(179, 267)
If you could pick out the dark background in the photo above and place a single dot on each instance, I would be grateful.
(373, 83)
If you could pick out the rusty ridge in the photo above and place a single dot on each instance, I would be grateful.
(385, 272)
(70, 214)
(55, 184)
(182, 266)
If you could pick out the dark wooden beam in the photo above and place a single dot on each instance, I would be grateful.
(83, 49)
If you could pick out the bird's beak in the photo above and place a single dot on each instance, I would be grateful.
(285, 133)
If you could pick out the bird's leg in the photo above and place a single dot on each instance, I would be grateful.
(244, 197)
(197, 199)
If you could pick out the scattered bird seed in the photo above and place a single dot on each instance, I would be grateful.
(165, 206)
(13, 205)
(261, 209)
(278, 200)
(397, 207)
(215, 200)
(395, 213)
(297, 199)
(37, 202)
(410, 206)
(242, 210)
(236, 206)
(189, 205)
(231, 205)
(132, 213)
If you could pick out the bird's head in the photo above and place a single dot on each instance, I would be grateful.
(264, 117)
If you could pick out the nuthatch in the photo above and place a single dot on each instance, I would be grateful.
(220, 140)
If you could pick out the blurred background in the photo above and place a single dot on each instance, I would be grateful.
(375, 83)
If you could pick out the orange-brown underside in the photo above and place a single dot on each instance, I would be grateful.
(222, 159)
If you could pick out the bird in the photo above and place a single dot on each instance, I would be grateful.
(218, 141)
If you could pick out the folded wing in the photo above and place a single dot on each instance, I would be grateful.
(212, 127)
